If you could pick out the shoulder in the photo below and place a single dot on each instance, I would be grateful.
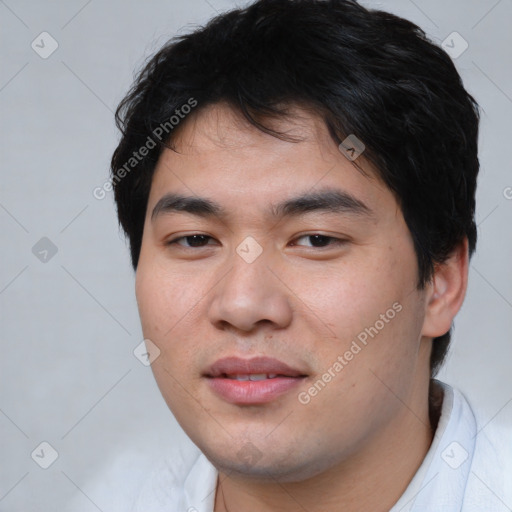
(489, 481)
(489, 460)
(466, 466)
(185, 480)
(182, 479)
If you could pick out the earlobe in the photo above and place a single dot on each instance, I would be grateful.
(446, 292)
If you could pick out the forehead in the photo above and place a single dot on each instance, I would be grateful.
(219, 153)
(219, 127)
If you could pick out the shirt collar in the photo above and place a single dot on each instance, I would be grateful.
(443, 474)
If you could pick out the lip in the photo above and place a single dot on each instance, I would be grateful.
(239, 366)
(249, 392)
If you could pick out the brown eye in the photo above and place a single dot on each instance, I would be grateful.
(191, 241)
(317, 240)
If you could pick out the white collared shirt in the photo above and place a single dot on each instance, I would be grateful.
(461, 472)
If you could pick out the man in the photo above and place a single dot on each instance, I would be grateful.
(297, 182)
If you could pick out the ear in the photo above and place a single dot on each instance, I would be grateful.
(445, 292)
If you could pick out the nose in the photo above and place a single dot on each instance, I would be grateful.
(250, 295)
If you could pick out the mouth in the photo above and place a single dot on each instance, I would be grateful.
(254, 377)
(252, 381)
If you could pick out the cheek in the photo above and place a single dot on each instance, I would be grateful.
(349, 300)
(165, 298)
(369, 310)
(373, 378)
(166, 307)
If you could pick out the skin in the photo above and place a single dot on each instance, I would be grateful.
(366, 429)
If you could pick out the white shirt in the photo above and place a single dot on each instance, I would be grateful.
(461, 472)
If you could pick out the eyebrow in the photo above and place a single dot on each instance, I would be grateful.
(328, 201)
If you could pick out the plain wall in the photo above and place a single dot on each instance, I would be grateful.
(69, 325)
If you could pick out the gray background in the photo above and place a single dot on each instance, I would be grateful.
(69, 325)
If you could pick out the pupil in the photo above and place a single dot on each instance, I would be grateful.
(196, 240)
(319, 240)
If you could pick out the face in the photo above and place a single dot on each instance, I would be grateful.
(282, 263)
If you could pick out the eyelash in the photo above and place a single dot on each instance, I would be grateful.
(333, 240)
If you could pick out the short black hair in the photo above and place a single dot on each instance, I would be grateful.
(364, 72)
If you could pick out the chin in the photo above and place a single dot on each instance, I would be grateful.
(267, 466)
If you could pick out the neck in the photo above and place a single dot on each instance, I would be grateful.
(385, 467)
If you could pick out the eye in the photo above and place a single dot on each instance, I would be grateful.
(317, 240)
(191, 241)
